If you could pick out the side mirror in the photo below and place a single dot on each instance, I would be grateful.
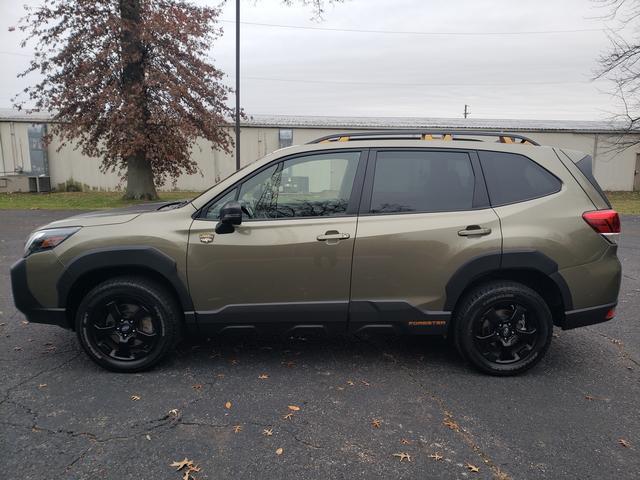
(230, 215)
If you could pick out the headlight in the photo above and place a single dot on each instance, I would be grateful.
(47, 239)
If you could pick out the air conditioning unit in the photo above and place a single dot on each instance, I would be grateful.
(40, 184)
(44, 184)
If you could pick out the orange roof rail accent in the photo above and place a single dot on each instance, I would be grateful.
(343, 139)
(447, 137)
(427, 136)
(506, 139)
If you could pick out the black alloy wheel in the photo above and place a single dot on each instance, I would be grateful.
(502, 327)
(126, 329)
(128, 324)
(506, 333)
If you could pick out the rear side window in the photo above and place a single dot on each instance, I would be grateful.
(586, 167)
(422, 181)
(515, 178)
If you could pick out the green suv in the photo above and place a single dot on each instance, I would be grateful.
(486, 238)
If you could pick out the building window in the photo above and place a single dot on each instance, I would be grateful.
(285, 137)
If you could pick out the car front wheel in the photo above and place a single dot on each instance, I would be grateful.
(503, 328)
(127, 324)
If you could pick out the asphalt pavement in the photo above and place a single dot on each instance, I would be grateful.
(359, 403)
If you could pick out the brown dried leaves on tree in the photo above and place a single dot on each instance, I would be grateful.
(129, 82)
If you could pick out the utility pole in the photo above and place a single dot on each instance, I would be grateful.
(466, 111)
(237, 84)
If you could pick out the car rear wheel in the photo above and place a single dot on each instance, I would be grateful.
(128, 324)
(503, 328)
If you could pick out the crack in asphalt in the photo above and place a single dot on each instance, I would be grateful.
(10, 390)
(618, 343)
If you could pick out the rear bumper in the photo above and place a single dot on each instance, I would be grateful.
(587, 316)
(26, 302)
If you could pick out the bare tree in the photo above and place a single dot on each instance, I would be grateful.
(621, 64)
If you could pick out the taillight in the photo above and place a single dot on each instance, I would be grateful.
(603, 221)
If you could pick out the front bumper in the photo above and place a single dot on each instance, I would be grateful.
(26, 302)
(588, 316)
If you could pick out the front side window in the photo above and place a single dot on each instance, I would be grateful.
(515, 178)
(309, 186)
(422, 181)
(213, 211)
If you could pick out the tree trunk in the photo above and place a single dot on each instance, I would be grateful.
(140, 184)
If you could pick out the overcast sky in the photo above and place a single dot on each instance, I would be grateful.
(318, 72)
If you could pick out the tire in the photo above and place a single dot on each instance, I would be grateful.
(128, 324)
(503, 328)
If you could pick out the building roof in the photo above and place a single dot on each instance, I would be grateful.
(515, 125)
(295, 121)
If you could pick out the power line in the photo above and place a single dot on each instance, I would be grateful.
(409, 32)
(392, 84)
(17, 54)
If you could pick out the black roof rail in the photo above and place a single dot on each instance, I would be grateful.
(502, 137)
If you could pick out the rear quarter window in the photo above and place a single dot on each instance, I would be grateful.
(515, 178)
(586, 167)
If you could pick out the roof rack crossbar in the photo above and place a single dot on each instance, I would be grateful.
(503, 137)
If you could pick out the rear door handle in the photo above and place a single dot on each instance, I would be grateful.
(333, 235)
(473, 230)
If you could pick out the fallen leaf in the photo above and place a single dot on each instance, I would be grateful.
(589, 397)
(182, 463)
(264, 376)
(197, 386)
(267, 432)
(279, 451)
(451, 423)
(24, 322)
(375, 423)
(403, 456)
(227, 405)
(436, 456)
(404, 441)
(148, 437)
(220, 375)
(624, 443)
(193, 468)
(350, 383)
(294, 408)
(366, 384)
(472, 468)
(17, 349)
(135, 398)
(237, 428)
(288, 416)
(174, 412)
(42, 385)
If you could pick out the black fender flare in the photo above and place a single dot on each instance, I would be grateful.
(497, 262)
(149, 258)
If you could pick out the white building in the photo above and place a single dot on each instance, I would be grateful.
(22, 155)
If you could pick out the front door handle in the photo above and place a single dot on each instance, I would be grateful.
(473, 230)
(333, 235)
